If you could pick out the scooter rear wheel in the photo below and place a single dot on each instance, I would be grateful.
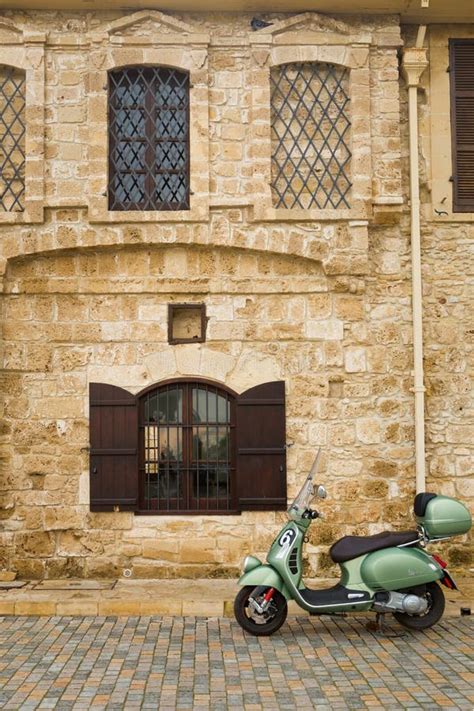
(433, 614)
(260, 625)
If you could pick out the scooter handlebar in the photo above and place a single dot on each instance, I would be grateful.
(312, 513)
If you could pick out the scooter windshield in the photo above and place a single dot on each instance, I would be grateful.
(307, 493)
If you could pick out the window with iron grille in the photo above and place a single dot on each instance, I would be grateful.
(187, 461)
(148, 139)
(187, 446)
(311, 128)
(12, 139)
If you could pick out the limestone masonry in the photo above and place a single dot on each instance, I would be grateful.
(318, 298)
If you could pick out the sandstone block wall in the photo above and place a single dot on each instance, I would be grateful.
(320, 299)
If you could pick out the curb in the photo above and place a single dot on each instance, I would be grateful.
(180, 597)
(167, 608)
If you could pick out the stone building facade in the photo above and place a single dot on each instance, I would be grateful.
(316, 297)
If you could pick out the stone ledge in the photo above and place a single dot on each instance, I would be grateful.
(194, 598)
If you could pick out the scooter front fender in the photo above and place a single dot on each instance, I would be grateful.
(265, 575)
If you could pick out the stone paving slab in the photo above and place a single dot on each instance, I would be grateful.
(9, 585)
(116, 663)
(75, 584)
(204, 597)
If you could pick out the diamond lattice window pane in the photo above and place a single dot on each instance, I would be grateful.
(170, 155)
(130, 155)
(129, 188)
(171, 188)
(310, 136)
(148, 139)
(12, 139)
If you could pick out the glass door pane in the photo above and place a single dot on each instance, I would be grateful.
(164, 465)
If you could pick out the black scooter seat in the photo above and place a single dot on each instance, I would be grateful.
(350, 547)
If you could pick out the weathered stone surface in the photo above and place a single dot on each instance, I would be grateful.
(57, 568)
(104, 568)
(161, 550)
(203, 551)
(36, 544)
(62, 518)
(323, 303)
(29, 568)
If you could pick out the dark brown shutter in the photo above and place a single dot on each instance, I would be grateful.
(261, 450)
(462, 122)
(114, 444)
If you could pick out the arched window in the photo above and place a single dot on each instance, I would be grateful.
(187, 448)
(12, 138)
(148, 139)
(310, 121)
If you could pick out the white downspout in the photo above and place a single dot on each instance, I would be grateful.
(413, 65)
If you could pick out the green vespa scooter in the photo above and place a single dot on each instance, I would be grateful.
(387, 572)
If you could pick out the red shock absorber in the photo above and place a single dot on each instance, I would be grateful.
(269, 594)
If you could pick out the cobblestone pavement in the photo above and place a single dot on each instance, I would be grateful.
(209, 663)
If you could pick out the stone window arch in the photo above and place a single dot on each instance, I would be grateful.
(149, 39)
(350, 61)
(22, 112)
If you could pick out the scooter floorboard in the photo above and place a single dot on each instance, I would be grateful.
(337, 595)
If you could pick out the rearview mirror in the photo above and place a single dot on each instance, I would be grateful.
(321, 492)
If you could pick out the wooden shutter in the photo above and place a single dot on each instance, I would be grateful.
(462, 123)
(261, 450)
(114, 445)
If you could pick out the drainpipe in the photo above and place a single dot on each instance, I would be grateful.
(413, 65)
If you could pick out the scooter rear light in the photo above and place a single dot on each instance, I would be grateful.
(448, 582)
(440, 561)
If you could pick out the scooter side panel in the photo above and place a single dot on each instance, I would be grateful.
(351, 575)
(285, 554)
(285, 558)
(265, 575)
(399, 568)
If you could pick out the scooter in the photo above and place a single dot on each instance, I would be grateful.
(389, 572)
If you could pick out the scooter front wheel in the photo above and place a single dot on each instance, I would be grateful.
(435, 598)
(260, 624)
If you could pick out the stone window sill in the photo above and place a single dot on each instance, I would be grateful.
(99, 212)
(271, 214)
(432, 216)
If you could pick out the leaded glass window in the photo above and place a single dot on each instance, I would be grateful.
(12, 138)
(187, 461)
(311, 125)
(148, 139)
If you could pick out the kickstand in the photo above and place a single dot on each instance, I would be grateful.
(378, 626)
